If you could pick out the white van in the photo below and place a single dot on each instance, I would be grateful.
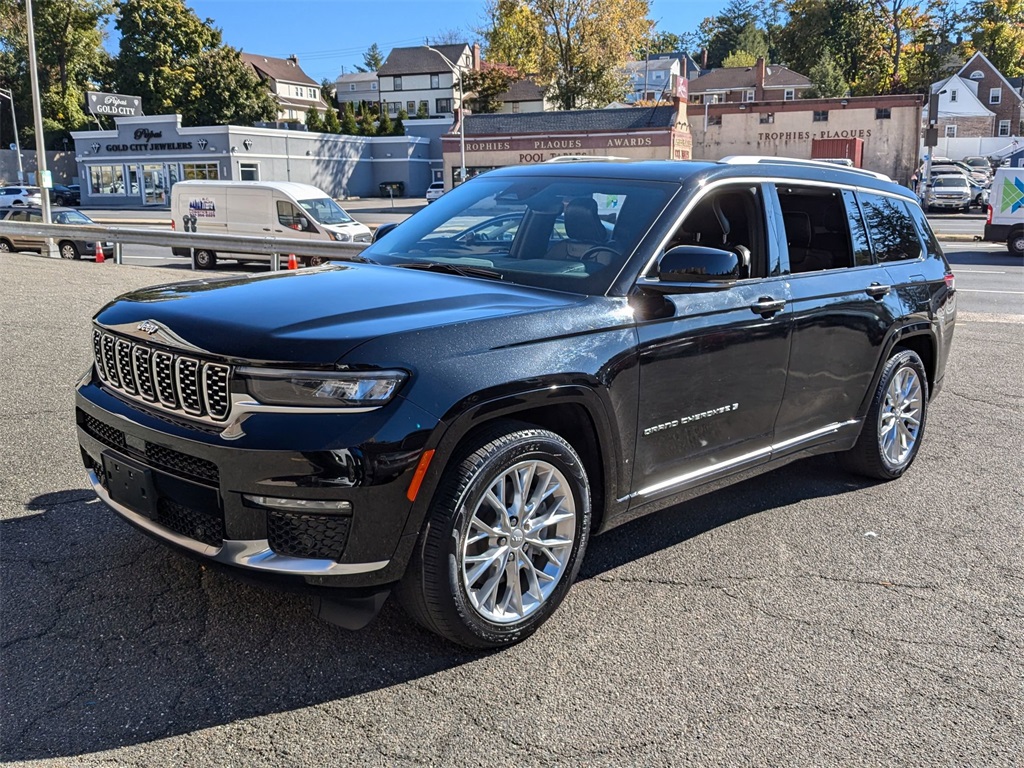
(1005, 223)
(259, 209)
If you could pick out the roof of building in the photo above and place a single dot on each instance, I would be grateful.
(523, 90)
(357, 77)
(572, 121)
(728, 78)
(421, 59)
(279, 69)
(991, 66)
(650, 66)
(967, 104)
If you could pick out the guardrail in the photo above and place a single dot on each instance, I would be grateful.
(275, 247)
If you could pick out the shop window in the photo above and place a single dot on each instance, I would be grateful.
(883, 114)
(435, 81)
(201, 171)
(249, 171)
(398, 83)
(444, 106)
(995, 96)
(1004, 128)
(106, 180)
(950, 131)
(767, 117)
(821, 116)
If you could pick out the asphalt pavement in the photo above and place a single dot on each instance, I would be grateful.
(805, 618)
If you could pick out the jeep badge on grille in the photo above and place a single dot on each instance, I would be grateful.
(148, 326)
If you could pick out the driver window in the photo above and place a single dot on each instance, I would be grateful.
(731, 219)
(290, 216)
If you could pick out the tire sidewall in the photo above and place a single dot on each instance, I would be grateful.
(73, 248)
(1016, 243)
(204, 259)
(540, 446)
(903, 359)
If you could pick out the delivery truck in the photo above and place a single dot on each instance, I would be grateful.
(260, 209)
(1005, 223)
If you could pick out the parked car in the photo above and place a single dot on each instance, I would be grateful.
(434, 191)
(949, 191)
(11, 197)
(70, 248)
(979, 163)
(454, 423)
(61, 195)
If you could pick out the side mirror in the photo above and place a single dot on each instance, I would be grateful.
(383, 229)
(693, 269)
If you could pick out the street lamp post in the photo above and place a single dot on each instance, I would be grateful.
(457, 72)
(9, 95)
(44, 186)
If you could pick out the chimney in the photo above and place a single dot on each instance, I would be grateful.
(294, 60)
(759, 75)
(476, 57)
(703, 58)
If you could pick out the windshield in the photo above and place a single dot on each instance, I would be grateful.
(568, 234)
(950, 181)
(71, 217)
(326, 211)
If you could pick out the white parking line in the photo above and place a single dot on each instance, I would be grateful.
(977, 272)
(979, 290)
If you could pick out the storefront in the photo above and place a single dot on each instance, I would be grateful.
(137, 163)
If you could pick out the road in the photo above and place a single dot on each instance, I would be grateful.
(803, 618)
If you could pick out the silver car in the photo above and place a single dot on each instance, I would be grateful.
(950, 191)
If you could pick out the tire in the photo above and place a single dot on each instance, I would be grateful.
(58, 201)
(1015, 243)
(204, 259)
(315, 261)
(68, 250)
(895, 424)
(6, 246)
(457, 583)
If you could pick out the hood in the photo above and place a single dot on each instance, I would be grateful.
(314, 317)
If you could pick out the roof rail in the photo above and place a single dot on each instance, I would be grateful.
(768, 160)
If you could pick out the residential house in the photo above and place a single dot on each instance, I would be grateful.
(294, 90)
(650, 79)
(425, 76)
(960, 111)
(357, 88)
(761, 82)
(523, 96)
(1003, 97)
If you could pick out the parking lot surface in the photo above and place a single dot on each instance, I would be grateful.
(806, 617)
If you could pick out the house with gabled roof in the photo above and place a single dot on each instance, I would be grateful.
(425, 76)
(1002, 96)
(961, 113)
(294, 90)
(761, 82)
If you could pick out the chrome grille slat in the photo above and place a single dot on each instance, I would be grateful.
(178, 383)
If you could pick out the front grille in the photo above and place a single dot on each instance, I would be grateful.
(193, 523)
(181, 463)
(301, 535)
(105, 433)
(179, 383)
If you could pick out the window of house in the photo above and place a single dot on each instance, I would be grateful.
(748, 95)
(444, 106)
(767, 117)
(249, 171)
(821, 116)
(410, 107)
(373, 86)
(659, 75)
(714, 119)
(891, 229)
(393, 107)
(351, 86)
(950, 131)
(1004, 128)
(977, 75)
(424, 107)
(952, 95)
(200, 171)
(515, 107)
(995, 95)
(789, 94)
(106, 180)
(396, 83)
(883, 114)
(435, 81)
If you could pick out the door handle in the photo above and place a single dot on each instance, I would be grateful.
(266, 229)
(766, 306)
(877, 290)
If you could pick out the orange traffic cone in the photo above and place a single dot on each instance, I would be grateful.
(99, 252)
(293, 263)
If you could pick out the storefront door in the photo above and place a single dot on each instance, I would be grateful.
(155, 185)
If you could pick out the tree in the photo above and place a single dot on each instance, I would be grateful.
(229, 92)
(328, 90)
(487, 84)
(331, 122)
(753, 41)
(446, 37)
(398, 129)
(349, 126)
(929, 54)
(422, 113)
(367, 124)
(385, 125)
(739, 59)
(515, 37)
(826, 79)
(723, 31)
(997, 30)
(313, 121)
(373, 59)
(586, 42)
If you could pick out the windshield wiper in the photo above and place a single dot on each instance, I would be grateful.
(454, 269)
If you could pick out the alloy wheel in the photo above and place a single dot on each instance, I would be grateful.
(899, 419)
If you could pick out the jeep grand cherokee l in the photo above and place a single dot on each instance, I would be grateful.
(452, 419)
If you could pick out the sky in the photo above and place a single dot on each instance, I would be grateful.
(328, 35)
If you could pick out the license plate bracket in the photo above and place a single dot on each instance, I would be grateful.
(130, 484)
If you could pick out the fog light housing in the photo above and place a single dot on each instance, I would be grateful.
(300, 505)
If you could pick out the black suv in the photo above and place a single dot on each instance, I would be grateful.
(543, 353)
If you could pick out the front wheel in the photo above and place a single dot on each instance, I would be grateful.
(503, 540)
(1015, 243)
(204, 259)
(69, 250)
(895, 423)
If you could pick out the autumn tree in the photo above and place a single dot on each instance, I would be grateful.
(373, 59)
(515, 36)
(585, 44)
(929, 54)
(997, 30)
(487, 84)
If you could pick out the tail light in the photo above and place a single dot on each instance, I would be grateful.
(172, 225)
(950, 279)
(988, 219)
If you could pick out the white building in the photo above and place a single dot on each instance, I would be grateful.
(357, 88)
(294, 90)
(412, 78)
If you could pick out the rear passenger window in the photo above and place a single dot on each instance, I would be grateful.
(891, 229)
(927, 236)
(858, 232)
(816, 228)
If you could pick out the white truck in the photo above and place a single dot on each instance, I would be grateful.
(260, 209)
(1005, 223)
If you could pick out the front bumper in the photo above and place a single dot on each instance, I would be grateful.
(949, 203)
(194, 488)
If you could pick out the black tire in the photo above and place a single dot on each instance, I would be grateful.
(6, 246)
(315, 261)
(58, 201)
(435, 591)
(203, 258)
(1015, 243)
(877, 453)
(68, 250)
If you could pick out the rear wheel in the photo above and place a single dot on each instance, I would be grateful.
(6, 246)
(503, 541)
(315, 261)
(1015, 243)
(204, 259)
(894, 427)
(69, 250)
(58, 200)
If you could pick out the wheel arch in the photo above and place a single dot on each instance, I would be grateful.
(918, 337)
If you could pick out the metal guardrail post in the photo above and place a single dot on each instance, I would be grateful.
(117, 252)
(275, 262)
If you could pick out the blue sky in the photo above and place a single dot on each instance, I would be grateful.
(327, 35)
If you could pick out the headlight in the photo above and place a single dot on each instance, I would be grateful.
(321, 389)
(341, 237)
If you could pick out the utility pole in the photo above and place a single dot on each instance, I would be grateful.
(37, 113)
(9, 95)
